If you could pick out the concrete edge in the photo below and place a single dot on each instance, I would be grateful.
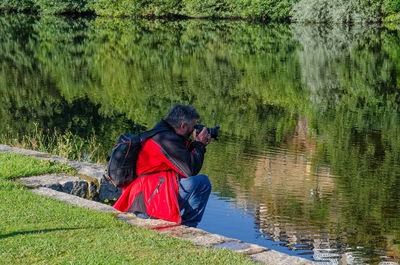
(74, 200)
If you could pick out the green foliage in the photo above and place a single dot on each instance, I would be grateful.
(46, 6)
(260, 10)
(211, 8)
(393, 22)
(18, 6)
(14, 166)
(268, 10)
(342, 11)
(65, 144)
(140, 8)
(63, 6)
(391, 7)
(336, 11)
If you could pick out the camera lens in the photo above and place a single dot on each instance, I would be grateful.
(212, 131)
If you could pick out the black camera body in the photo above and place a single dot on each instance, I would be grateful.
(212, 131)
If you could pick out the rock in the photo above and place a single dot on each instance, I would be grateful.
(108, 191)
(59, 182)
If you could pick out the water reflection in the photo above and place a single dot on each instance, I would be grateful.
(308, 159)
(298, 207)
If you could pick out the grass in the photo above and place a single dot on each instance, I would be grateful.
(64, 144)
(16, 165)
(39, 230)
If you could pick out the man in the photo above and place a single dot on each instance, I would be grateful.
(168, 186)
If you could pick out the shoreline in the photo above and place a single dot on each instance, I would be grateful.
(388, 24)
(88, 171)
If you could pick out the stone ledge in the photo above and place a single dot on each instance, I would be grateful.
(275, 257)
(196, 236)
(74, 200)
(253, 249)
(64, 183)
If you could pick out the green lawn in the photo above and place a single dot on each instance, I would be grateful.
(39, 230)
(15, 165)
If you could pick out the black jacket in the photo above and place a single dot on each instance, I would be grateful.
(185, 154)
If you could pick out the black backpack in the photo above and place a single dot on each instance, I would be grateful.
(121, 162)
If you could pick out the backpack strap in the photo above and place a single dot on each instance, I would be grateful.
(151, 133)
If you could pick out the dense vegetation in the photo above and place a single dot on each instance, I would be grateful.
(337, 11)
(347, 11)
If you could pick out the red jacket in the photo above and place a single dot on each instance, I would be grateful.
(162, 161)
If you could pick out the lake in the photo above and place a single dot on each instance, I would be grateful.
(308, 157)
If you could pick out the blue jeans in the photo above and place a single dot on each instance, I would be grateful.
(193, 196)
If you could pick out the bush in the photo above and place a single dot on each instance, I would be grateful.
(18, 6)
(269, 9)
(63, 6)
(256, 9)
(135, 8)
(346, 11)
(391, 9)
(336, 11)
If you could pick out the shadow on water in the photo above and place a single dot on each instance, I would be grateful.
(308, 158)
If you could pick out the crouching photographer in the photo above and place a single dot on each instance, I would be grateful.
(168, 186)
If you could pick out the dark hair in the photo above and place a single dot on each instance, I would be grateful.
(181, 113)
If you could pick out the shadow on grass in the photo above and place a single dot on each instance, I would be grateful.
(44, 231)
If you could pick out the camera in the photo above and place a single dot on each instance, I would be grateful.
(212, 131)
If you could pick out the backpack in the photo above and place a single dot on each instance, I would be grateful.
(121, 161)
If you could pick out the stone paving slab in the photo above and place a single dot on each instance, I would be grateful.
(233, 245)
(196, 236)
(253, 249)
(147, 223)
(275, 257)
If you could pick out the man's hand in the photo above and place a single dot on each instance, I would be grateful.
(203, 136)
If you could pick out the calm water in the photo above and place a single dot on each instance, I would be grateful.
(308, 160)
